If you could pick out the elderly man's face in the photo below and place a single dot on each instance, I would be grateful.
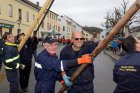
(51, 47)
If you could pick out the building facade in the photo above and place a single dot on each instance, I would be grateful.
(16, 16)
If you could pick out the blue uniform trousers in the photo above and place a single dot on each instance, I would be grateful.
(13, 79)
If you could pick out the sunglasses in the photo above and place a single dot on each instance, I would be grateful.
(79, 38)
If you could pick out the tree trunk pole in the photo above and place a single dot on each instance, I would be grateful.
(120, 24)
(35, 22)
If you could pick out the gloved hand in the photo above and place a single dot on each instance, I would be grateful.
(21, 66)
(67, 80)
(62, 82)
(85, 59)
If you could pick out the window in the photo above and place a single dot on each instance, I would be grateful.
(18, 31)
(63, 28)
(10, 10)
(58, 28)
(20, 13)
(33, 17)
(54, 27)
(42, 25)
(47, 25)
(50, 15)
(27, 16)
(0, 7)
(1, 32)
(10, 30)
(50, 26)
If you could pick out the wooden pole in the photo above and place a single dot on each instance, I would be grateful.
(31, 28)
(44, 16)
(138, 2)
(120, 24)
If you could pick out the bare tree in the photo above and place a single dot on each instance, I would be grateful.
(113, 17)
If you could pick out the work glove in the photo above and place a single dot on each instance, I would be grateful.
(67, 80)
(85, 59)
(21, 66)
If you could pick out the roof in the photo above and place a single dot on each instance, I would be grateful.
(32, 4)
(36, 6)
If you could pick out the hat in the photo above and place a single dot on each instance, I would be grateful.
(50, 38)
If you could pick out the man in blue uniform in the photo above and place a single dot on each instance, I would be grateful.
(126, 71)
(11, 62)
(26, 59)
(84, 83)
(48, 67)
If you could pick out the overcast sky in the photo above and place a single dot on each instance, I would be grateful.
(84, 12)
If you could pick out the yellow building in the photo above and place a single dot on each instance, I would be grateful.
(17, 15)
(51, 23)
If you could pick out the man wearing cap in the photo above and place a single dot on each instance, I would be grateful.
(48, 66)
(126, 73)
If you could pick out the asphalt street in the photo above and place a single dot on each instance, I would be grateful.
(103, 75)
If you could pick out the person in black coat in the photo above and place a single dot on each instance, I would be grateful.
(126, 72)
(26, 59)
(84, 83)
(34, 46)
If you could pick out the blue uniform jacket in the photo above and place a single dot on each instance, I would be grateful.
(84, 82)
(47, 71)
(26, 52)
(126, 74)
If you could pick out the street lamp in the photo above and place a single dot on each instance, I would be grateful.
(19, 22)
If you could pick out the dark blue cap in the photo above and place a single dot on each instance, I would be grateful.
(50, 38)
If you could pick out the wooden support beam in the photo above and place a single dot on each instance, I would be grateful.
(138, 2)
(35, 22)
(120, 24)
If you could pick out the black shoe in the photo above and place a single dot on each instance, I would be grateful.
(25, 90)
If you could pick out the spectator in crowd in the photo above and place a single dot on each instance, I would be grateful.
(34, 47)
(26, 59)
(115, 46)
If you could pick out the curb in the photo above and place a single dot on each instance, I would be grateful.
(110, 55)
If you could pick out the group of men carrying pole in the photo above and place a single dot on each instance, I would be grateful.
(78, 49)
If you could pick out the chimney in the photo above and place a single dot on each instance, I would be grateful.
(37, 3)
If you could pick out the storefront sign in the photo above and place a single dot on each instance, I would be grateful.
(6, 25)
